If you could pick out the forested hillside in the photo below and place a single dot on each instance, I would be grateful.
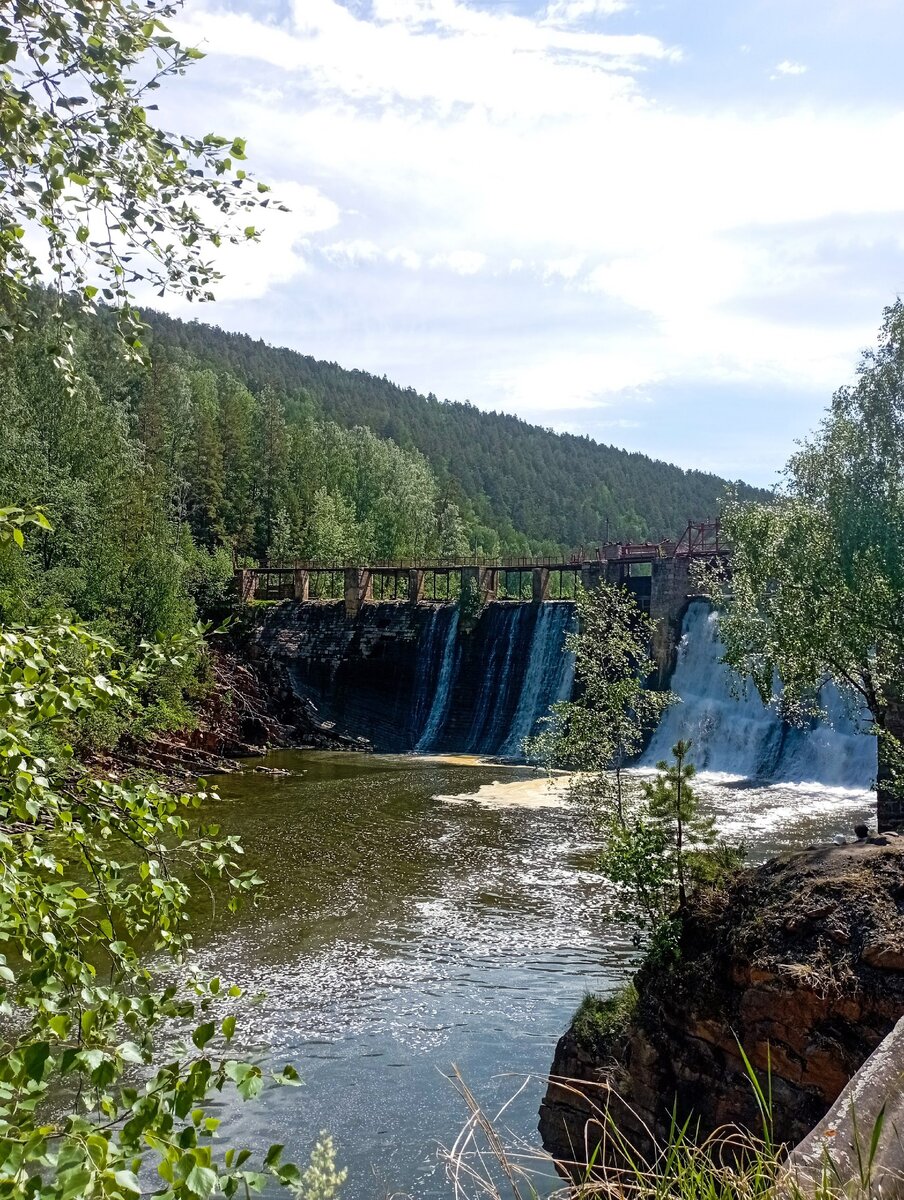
(156, 477)
(159, 475)
(529, 487)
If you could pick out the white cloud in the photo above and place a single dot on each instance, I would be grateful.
(787, 67)
(519, 152)
(566, 11)
(252, 269)
(462, 262)
(352, 251)
(357, 251)
(563, 268)
(409, 259)
(439, 51)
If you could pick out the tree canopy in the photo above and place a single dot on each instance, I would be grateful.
(520, 489)
(95, 198)
(816, 587)
(96, 871)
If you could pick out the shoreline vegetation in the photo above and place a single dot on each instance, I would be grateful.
(142, 461)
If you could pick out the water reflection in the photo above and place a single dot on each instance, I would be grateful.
(404, 932)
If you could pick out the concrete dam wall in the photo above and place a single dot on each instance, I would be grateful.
(422, 677)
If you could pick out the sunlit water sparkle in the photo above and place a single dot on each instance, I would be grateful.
(422, 913)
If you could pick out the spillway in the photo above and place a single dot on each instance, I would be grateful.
(503, 676)
(740, 736)
(421, 677)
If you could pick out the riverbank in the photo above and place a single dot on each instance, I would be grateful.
(247, 709)
(799, 964)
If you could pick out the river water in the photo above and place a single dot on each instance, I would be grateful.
(422, 913)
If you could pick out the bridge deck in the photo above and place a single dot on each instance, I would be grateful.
(631, 564)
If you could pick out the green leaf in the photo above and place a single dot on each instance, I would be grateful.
(201, 1181)
(127, 1180)
(35, 1059)
(203, 1034)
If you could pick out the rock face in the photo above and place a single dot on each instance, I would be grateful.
(800, 962)
(356, 676)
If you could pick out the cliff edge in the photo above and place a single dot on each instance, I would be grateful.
(799, 961)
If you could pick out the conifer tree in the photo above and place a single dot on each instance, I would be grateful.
(674, 808)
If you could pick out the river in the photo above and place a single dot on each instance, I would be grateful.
(423, 912)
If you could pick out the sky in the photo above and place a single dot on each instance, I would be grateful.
(671, 225)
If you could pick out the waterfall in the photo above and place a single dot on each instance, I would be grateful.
(742, 737)
(442, 691)
(494, 682)
(835, 752)
(497, 682)
(429, 664)
(548, 677)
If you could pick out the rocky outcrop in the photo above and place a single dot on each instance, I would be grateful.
(800, 962)
(244, 707)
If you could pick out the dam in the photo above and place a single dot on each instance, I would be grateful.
(423, 678)
(430, 679)
(659, 575)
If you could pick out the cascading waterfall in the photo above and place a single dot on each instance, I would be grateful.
(444, 632)
(548, 677)
(837, 753)
(740, 736)
(497, 683)
(493, 684)
(423, 677)
(730, 735)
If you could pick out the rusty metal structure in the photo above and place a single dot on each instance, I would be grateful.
(437, 580)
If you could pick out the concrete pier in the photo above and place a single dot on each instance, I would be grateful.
(539, 584)
(358, 588)
(482, 579)
(415, 586)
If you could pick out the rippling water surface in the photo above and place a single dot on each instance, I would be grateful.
(423, 913)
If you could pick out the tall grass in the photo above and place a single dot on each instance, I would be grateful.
(487, 1163)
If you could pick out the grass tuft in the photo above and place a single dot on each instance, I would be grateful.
(599, 1019)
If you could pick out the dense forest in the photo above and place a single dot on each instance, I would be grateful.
(519, 487)
(158, 475)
